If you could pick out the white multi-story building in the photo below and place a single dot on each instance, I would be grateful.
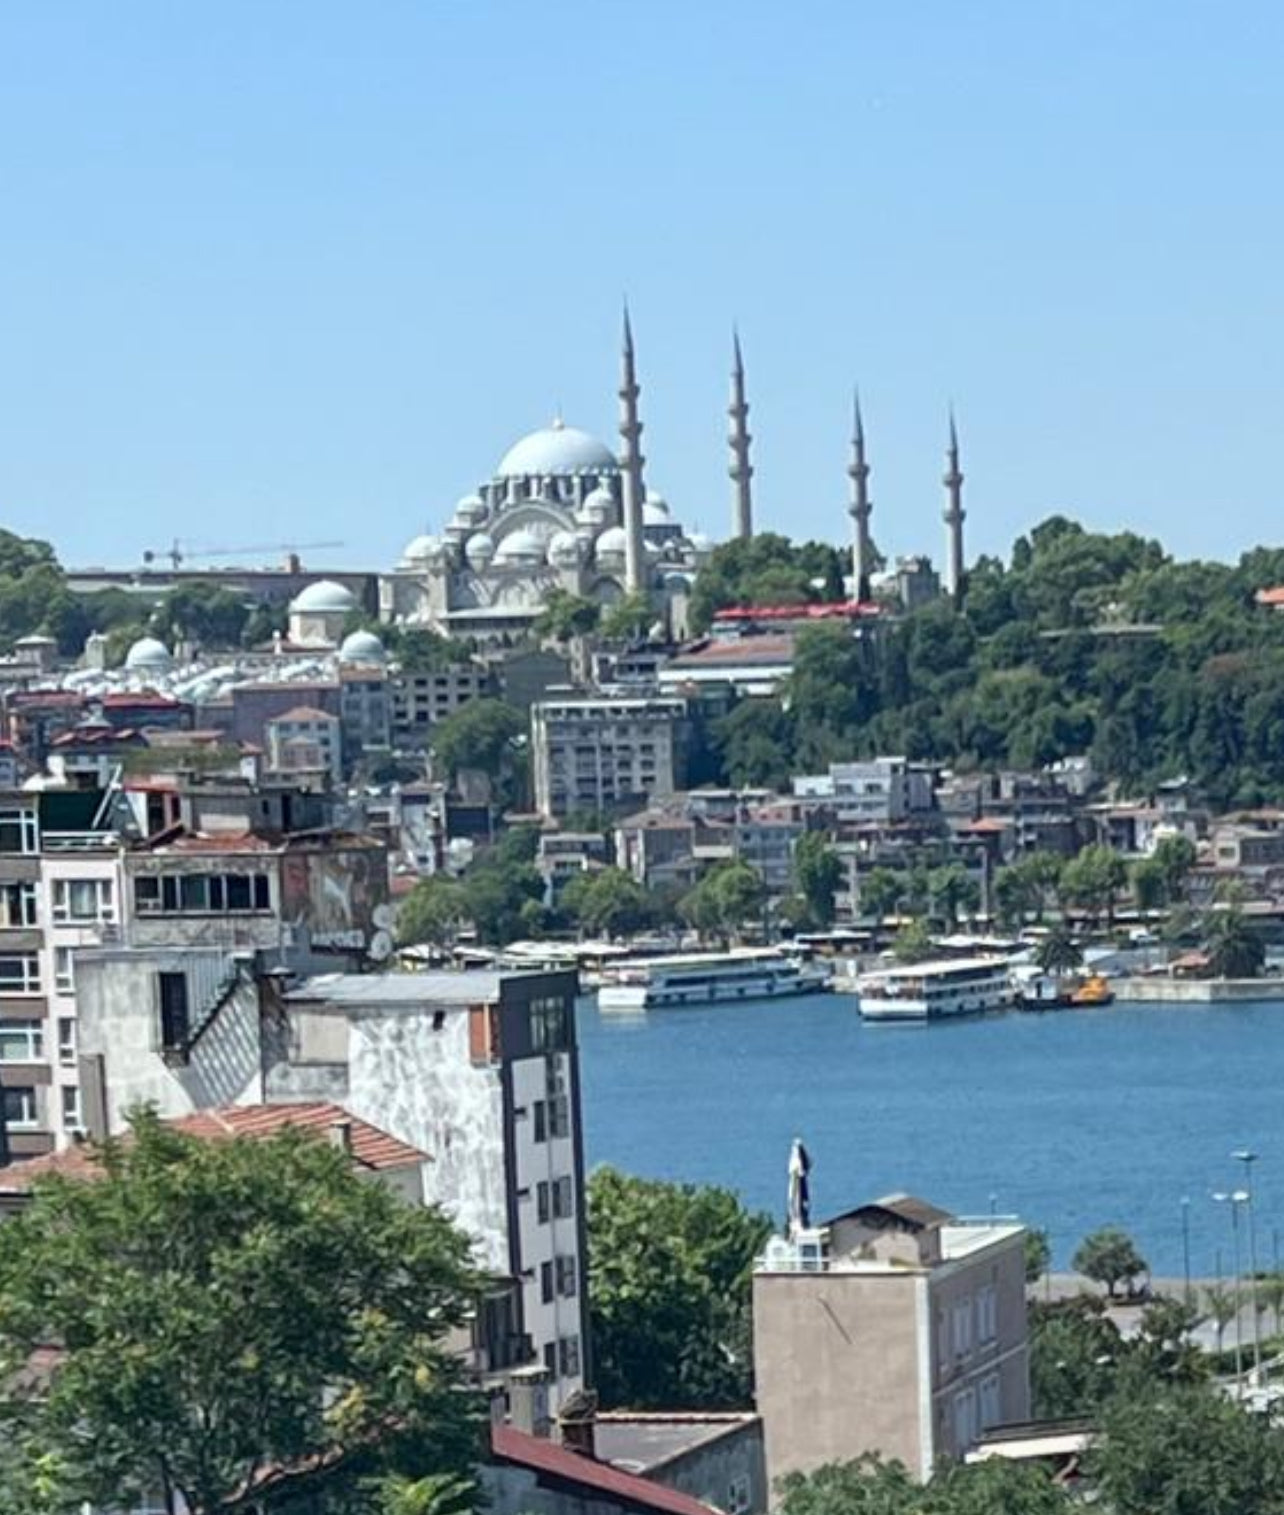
(478, 1070)
(873, 792)
(597, 752)
(60, 890)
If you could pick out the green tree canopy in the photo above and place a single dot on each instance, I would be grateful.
(1058, 952)
(818, 874)
(566, 616)
(871, 1486)
(1110, 1257)
(609, 902)
(724, 900)
(483, 735)
(1235, 950)
(669, 1292)
(241, 1322)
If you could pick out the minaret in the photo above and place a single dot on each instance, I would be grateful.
(953, 482)
(860, 506)
(631, 461)
(741, 470)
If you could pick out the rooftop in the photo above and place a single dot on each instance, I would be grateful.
(460, 987)
(642, 1443)
(565, 1468)
(370, 1147)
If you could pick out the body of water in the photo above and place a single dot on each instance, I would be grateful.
(1072, 1120)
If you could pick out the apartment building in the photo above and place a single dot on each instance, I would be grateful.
(897, 1329)
(597, 752)
(478, 1070)
(305, 741)
(420, 699)
(60, 890)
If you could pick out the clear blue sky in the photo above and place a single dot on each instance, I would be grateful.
(303, 269)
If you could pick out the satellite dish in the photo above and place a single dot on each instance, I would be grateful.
(381, 946)
(382, 916)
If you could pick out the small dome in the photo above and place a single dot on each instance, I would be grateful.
(419, 549)
(700, 542)
(655, 510)
(480, 550)
(612, 545)
(325, 595)
(556, 449)
(148, 655)
(653, 551)
(521, 546)
(362, 647)
(471, 509)
(598, 506)
(563, 549)
(677, 583)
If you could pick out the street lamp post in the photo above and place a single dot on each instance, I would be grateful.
(1248, 1159)
(1235, 1199)
(1185, 1245)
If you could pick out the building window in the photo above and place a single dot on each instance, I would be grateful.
(542, 1207)
(989, 1402)
(22, 1041)
(540, 1109)
(17, 905)
(565, 1276)
(71, 1106)
(64, 970)
(67, 1041)
(20, 973)
(84, 901)
(550, 1358)
(568, 1356)
(20, 1109)
(546, 1282)
(19, 831)
(174, 1016)
(563, 1198)
(987, 1326)
(548, 1024)
(559, 1116)
(202, 893)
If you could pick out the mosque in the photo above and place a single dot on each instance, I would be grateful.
(563, 511)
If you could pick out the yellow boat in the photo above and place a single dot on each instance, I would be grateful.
(1094, 990)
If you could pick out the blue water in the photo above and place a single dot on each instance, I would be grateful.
(1071, 1120)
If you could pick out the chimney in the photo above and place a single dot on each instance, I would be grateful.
(528, 1401)
(576, 1420)
(340, 1134)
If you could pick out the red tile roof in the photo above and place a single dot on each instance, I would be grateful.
(548, 1460)
(1273, 596)
(371, 1147)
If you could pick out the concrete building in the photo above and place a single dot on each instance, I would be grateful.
(895, 1329)
(421, 698)
(598, 752)
(60, 890)
(478, 1070)
(304, 740)
(874, 792)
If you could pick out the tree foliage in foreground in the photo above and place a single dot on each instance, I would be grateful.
(669, 1292)
(870, 1486)
(245, 1325)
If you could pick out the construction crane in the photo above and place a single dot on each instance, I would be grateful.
(178, 554)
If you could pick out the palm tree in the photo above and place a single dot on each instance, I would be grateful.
(1234, 951)
(1270, 1295)
(1222, 1305)
(1058, 952)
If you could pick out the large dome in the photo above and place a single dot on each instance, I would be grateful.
(324, 595)
(555, 450)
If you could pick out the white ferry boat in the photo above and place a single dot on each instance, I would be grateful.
(933, 990)
(705, 978)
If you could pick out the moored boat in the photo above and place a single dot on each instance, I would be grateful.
(705, 978)
(935, 990)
